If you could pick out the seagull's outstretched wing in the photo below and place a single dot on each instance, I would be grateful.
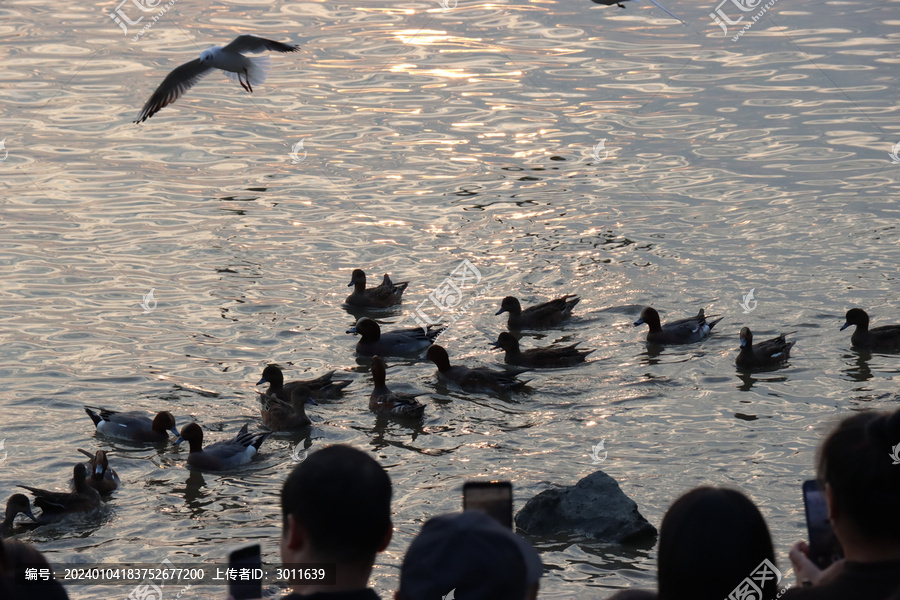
(251, 43)
(173, 87)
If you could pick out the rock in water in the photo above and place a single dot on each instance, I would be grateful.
(595, 507)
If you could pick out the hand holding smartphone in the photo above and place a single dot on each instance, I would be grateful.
(244, 558)
(824, 547)
(492, 497)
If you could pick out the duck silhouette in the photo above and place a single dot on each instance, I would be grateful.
(133, 426)
(385, 295)
(320, 388)
(479, 380)
(886, 337)
(384, 401)
(279, 415)
(399, 342)
(549, 357)
(55, 505)
(539, 316)
(221, 455)
(682, 331)
(100, 476)
(764, 354)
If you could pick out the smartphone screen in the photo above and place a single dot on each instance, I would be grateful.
(824, 547)
(248, 557)
(492, 497)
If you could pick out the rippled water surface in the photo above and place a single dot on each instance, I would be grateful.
(561, 147)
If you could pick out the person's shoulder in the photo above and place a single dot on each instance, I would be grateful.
(872, 581)
(366, 594)
(804, 593)
(837, 590)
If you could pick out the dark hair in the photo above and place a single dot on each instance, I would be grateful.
(15, 555)
(342, 498)
(710, 541)
(855, 460)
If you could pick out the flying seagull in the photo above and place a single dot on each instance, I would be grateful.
(237, 67)
(620, 5)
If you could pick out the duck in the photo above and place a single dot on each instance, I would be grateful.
(384, 296)
(102, 478)
(17, 503)
(54, 505)
(549, 357)
(320, 388)
(279, 415)
(133, 426)
(683, 331)
(399, 342)
(221, 455)
(764, 354)
(886, 337)
(547, 314)
(385, 402)
(479, 380)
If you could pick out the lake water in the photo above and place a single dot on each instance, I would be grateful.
(560, 147)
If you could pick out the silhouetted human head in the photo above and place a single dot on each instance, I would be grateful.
(468, 553)
(711, 539)
(341, 498)
(856, 462)
(16, 555)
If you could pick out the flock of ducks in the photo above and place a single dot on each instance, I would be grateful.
(283, 404)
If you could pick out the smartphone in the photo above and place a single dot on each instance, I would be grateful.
(492, 497)
(248, 557)
(824, 547)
